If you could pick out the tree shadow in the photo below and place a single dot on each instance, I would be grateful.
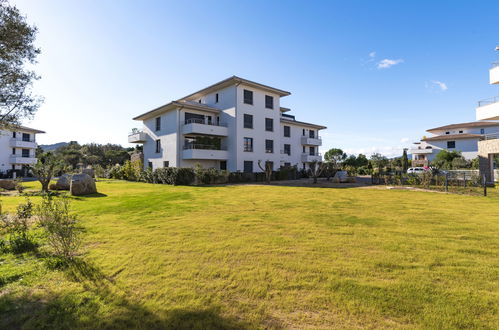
(90, 309)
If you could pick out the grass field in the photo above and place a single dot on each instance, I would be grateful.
(265, 257)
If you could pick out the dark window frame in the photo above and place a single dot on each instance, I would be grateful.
(158, 124)
(25, 153)
(246, 165)
(247, 97)
(269, 123)
(216, 98)
(451, 144)
(269, 102)
(166, 163)
(269, 146)
(158, 146)
(287, 149)
(245, 116)
(224, 167)
(287, 131)
(248, 147)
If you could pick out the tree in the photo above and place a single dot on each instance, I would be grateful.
(316, 169)
(405, 161)
(17, 52)
(443, 160)
(335, 156)
(362, 160)
(46, 168)
(378, 161)
(267, 169)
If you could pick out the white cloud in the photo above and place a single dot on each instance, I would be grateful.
(387, 63)
(439, 84)
(404, 140)
(372, 54)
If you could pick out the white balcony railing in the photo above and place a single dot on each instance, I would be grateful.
(494, 73)
(421, 151)
(308, 158)
(313, 141)
(15, 159)
(137, 137)
(202, 151)
(20, 143)
(204, 127)
(488, 109)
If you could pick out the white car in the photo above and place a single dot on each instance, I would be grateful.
(415, 170)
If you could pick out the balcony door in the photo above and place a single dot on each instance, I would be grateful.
(312, 151)
(193, 118)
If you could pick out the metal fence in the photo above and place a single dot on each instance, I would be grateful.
(460, 182)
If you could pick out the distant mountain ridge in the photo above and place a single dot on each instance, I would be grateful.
(52, 147)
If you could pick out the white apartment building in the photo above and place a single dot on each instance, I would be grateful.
(17, 148)
(230, 125)
(462, 137)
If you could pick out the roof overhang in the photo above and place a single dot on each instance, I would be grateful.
(174, 105)
(301, 123)
(465, 125)
(453, 137)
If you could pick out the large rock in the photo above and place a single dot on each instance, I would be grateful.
(82, 184)
(89, 171)
(340, 177)
(63, 183)
(8, 184)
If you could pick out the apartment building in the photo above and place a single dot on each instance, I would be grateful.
(230, 125)
(461, 137)
(17, 148)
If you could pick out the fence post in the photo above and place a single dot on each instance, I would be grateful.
(484, 185)
(446, 182)
(464, 177)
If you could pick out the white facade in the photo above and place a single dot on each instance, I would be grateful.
(17, 148)
(208, 128)
(489, 109)
(457, 137)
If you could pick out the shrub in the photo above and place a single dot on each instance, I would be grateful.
(17, 227)
(174, 176)
(60, 227)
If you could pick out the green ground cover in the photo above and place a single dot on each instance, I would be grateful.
(252, 256)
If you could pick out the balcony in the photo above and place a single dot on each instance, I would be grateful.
(488, 109)
(309, 141)
(494, 73)
(202, 151)
(22, 160)
(421, 151)
(137, 137)
(203, 127)
(308, 158)
(19, 143)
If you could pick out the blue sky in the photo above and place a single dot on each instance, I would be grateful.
(377, 73)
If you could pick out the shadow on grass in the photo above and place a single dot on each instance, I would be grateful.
(101, 305)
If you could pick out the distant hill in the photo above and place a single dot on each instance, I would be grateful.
(52, 147)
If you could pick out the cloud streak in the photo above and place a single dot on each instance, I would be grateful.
(388, 63)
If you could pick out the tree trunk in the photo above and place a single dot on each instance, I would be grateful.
(45, 185)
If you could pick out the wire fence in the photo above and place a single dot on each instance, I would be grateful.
(459, 182)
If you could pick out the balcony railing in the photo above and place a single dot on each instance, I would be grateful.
(488, 101)
(202, 147)
(312, 137)
(204, 122)
(491, 136)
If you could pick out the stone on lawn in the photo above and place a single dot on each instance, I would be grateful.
(8, 184)
(63, 183)
(82, 184)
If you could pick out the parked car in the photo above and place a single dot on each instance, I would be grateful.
(415, 170)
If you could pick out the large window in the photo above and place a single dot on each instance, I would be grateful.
(248, 121)
(451, 144)
(269, 146)
(166, 163)
(248, 144)
(248, 97)
(287, 131)
(158, 146)
(26, 137)
(269, 102)
(158, 123)
(269, 124)
(482, 130)
(223, 165)
(25, 153)
(311, 134)
(248, 166)
(287, 149)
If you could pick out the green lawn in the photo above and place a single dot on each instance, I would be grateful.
(158, 256)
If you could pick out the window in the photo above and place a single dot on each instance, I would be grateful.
(248, 144)
(14, 135)
(287, 149)
(223, 164)
(447, 132)
(269, 146)
(311, 151)
(216, 98)
(460, 132)
(303, 132)
(482, 130)
(13, 151)
(248, 97)
(166, 163)
(269, 102)
(158, 146)
(149, 165)
(26, 137)
(287, 164)
(311, 134)
(248, 121)
(158, 123)
(248, 166)
(451, 144)
(304, 149)
(25, 153)
(287, 131)
(269, 124)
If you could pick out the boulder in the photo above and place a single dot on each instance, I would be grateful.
(89, 171)
(82, 184)
(340, 176)
(8, 184)
(63, 183)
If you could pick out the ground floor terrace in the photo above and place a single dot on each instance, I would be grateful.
(295, 255)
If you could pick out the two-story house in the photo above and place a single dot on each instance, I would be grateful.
(462, 137)
(17, 148)
(230, 125)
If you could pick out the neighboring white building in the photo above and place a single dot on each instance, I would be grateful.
(17, 148)
(229, 125)
(462, 137)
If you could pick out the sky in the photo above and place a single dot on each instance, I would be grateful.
(376, 73)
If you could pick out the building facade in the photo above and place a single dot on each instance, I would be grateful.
(463, 137)
(231, 125)
(17, 148)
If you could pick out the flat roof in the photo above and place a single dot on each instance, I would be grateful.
(453, 137)
(465, 125)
